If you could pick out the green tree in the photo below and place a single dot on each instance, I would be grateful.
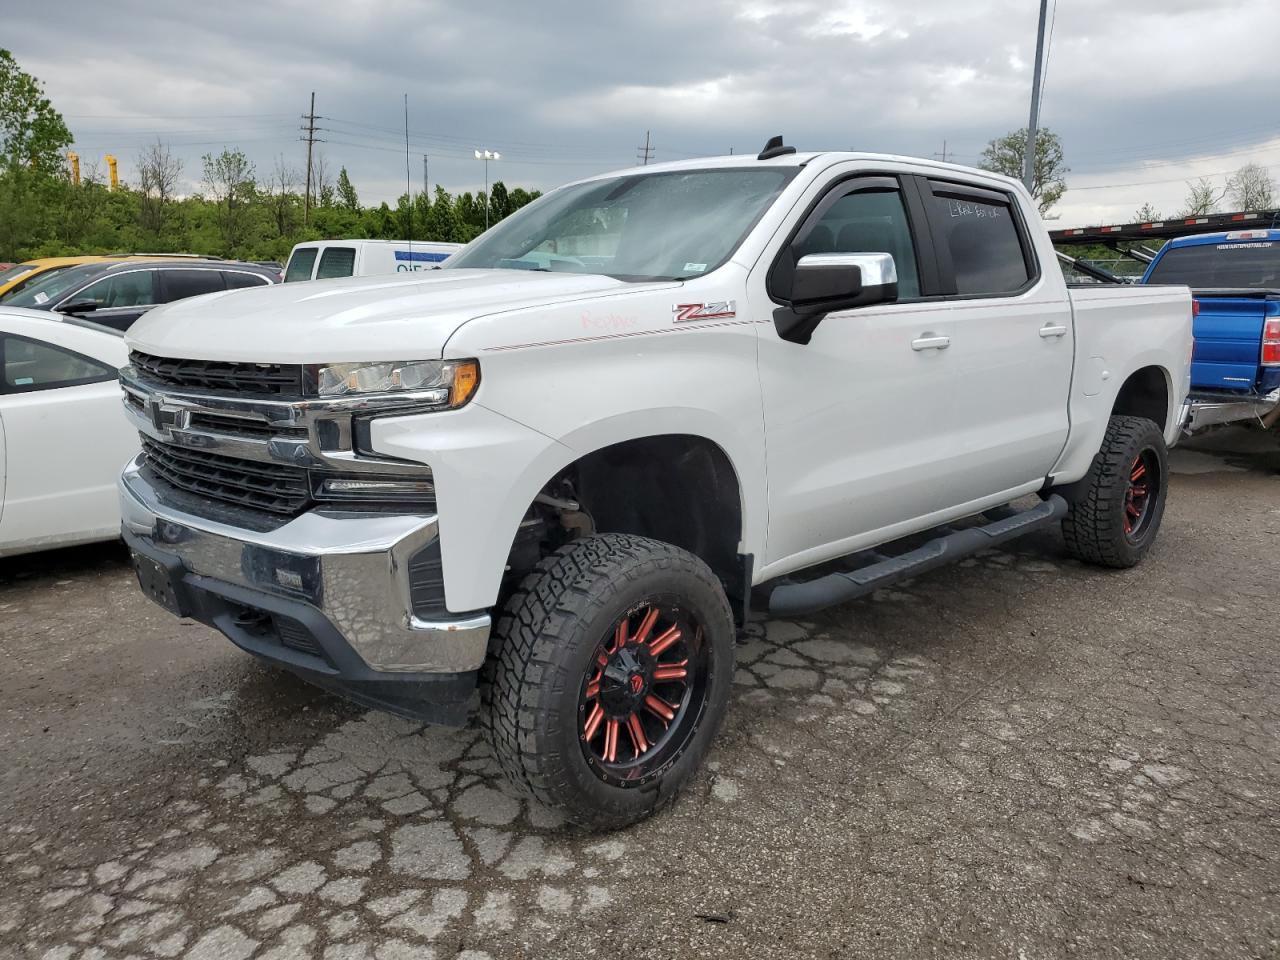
(1251, 188)
(32, 132)
(347, 197)
(499, 202)
(1146, 214)
(442, 224)
(1048, 184)
(1202, 197)
(229, 185)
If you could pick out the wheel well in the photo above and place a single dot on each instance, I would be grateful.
(1145, 394)
(677, 488)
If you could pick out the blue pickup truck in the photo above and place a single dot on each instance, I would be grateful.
(1235, 279)
(1231, 262)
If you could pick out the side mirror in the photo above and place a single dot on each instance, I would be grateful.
(78, 307)
(826, 282)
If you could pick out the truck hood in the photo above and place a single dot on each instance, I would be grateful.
(354, 318)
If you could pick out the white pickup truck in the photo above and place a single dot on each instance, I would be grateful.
(643, 409)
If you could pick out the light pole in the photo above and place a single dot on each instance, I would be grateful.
(486, 156)
(1029, 150)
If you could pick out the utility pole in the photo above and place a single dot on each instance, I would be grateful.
(644, 153)
(943, 155)
(1029, 157)
(311, 140)
(426, 185)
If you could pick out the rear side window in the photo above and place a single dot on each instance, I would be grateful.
(180, 284)
(980, 233)
(236, 280)
(1225, 266)
(32, 365)
(336, 262)
(300, 264)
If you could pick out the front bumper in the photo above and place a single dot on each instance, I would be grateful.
(340, 578)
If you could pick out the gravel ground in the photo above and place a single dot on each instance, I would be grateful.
(1017, 757)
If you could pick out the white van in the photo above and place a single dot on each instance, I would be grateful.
(323, 259)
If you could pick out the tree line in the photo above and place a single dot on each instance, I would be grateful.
(238, 211)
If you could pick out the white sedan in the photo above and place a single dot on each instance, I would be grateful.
(63, 434)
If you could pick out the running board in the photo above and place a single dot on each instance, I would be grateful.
(794, 599)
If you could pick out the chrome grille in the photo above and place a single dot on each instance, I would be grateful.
(274, 379)
(251, 483)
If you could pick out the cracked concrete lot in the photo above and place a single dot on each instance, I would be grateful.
(1017, 757)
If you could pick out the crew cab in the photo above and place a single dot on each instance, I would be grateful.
(634, 414)
(1235, 279)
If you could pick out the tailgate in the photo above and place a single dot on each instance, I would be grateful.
(1228, 332)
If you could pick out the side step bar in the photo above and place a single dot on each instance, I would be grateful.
(794, 599)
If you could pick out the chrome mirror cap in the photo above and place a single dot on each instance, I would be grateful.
(877, 269)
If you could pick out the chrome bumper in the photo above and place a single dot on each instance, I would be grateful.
(1208, 411)
(351, 568)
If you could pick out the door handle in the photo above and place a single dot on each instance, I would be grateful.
(929, 342)
(1053, 330)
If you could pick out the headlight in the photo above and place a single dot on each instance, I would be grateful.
(445, 383)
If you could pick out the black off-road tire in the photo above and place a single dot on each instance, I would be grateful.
(1094, 528)
(547, 639)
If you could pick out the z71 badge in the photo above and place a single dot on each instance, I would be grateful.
(686, 312)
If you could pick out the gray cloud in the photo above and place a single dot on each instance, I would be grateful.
(565, 89)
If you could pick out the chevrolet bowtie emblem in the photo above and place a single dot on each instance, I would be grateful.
(167, 416)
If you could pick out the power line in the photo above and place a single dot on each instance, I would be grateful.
(1048, 51)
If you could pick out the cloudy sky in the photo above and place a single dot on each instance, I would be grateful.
(1144, 96)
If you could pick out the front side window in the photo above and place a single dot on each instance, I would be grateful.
(300, 264)
(32, 365)
(868, 221)
(982, 237)
(180, 284)
(133, 289)
(656, 226)
(336, 262)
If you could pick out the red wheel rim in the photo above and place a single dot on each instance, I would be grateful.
(643, 693)
(1141, 492)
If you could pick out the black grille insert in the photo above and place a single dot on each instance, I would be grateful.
(273, 379)
(426, 582)
(251, 483)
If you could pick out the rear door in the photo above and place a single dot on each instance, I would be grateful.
(1012, 342)
(336, 262)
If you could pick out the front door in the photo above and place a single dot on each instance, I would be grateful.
(858, 419)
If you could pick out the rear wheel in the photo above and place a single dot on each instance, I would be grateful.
(608, 677)
(1117, 509)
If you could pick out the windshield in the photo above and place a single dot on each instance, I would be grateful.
(49, 287)
(655, 226)
(1221, 266)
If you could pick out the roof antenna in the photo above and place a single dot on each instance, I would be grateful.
(775, 148)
